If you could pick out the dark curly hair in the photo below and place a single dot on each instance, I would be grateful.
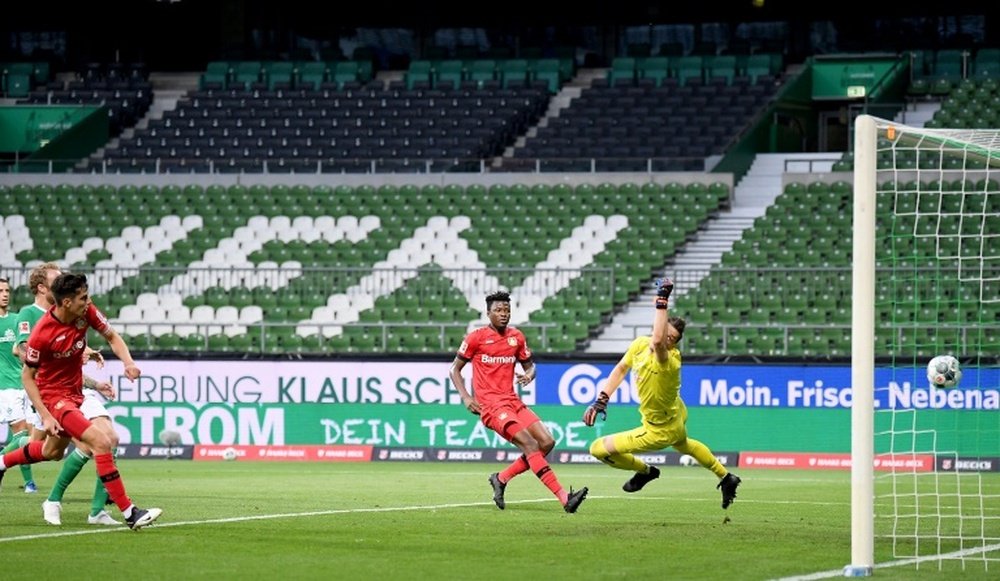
(678, 323)
(498, 296)
(66, 285)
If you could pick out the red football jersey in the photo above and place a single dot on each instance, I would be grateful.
(493, 358)
(56, 350)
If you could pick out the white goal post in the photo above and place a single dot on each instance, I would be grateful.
(863, 350)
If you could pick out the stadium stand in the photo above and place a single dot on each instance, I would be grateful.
(390, 268)
(785, 287)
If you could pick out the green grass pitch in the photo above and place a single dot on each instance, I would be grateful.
(411, 521)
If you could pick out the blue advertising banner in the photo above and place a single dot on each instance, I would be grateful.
(777, 386)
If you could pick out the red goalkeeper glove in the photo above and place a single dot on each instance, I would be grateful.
(664, 286)
(598, 408)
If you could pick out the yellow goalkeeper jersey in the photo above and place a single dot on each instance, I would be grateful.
(657, 384)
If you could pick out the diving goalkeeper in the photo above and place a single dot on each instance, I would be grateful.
(657, 364)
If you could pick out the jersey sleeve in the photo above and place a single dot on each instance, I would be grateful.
(628, 359)
(523, 351)
(34, 349)
(98, 322)
(24, 326)
(468, 347)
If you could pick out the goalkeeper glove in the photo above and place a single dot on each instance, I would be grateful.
(664, 286)
(596, 409)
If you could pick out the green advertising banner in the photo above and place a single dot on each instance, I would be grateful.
(445, 426)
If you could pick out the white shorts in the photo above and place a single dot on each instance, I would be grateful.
(12, 405)
(92, 407)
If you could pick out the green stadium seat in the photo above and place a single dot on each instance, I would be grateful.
(655, 68)
(622, 71)
(311, 74)
(218, 73)
(277, 73)
(548, 70)
(218, 343)
(246, 73)
(169, 342)
(194, 343)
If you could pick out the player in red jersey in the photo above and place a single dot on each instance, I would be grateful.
(53, 380)
(494, 350)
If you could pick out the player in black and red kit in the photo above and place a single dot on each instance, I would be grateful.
(53, 380)
(494, 350)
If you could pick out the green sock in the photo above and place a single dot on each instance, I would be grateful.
(14, 443)
(71, 467)
(18, 440)
(100, 498)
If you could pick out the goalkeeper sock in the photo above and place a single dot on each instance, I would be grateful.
(540, 466)
(702, 454)
(71, 467)
(622, 461)
(518, 466)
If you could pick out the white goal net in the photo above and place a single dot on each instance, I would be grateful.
(926, 282)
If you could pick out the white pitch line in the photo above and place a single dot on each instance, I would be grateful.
(237, 519)
(900, 563)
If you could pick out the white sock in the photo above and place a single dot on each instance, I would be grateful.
(128, 511)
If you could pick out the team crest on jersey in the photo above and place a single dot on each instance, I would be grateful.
(512, 341)
(24, 327)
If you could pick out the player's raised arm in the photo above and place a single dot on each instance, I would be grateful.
(659, 342)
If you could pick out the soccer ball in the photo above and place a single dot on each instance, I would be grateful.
(229, 454)
(943, 371)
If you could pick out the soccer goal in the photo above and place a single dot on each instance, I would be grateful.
(926, 282)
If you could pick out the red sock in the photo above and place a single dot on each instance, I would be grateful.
(27, 454)
(108, 473)
(540, 466)
(517, 466)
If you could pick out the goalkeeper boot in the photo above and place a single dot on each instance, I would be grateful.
(498, 488)
(639, 479)
(728, 485)
(575, 499)
(141, 517)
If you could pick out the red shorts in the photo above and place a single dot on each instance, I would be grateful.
(69, 416)
(508, 418)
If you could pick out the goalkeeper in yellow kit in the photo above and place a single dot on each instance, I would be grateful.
(657, 365)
